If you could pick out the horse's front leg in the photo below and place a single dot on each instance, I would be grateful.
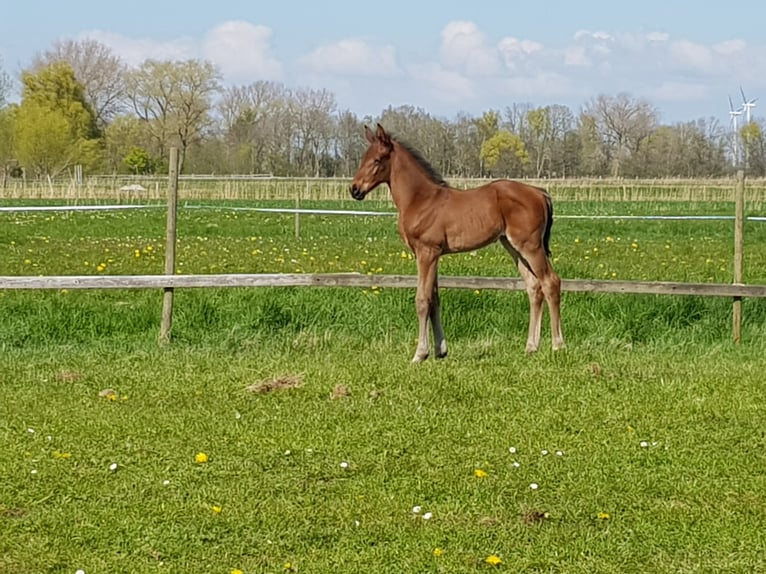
(440, 342)
(423, 298)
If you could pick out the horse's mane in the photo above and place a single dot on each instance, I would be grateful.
(433, 174)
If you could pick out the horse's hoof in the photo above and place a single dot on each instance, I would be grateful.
(419, 358)
(529, 350)
(441, 354)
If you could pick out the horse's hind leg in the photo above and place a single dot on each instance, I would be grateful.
(440, 343)
(535, 294)
(551, 288)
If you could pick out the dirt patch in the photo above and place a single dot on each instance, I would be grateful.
(340, 392)
(532, 516)
(68, 376)
(277, 384)
(12, 512)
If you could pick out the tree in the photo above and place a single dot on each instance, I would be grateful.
(5, 86)
(54, 127)
(97, 68)
(245, 112)
(504, 154)
(7, 119)
(622, 123)
(314, 109)
(487, 126)
(174, 99)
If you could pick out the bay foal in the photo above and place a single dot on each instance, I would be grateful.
(435, 219)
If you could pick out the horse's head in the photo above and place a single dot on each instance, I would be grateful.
(376, 163)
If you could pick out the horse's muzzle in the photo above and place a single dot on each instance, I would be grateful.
(357, 193)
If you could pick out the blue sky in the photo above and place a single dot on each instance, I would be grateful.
(446, 57)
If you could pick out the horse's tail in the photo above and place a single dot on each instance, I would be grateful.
(548, 223)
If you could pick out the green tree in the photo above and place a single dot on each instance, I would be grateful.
(7, 118)
(139, 161)
(504, 154)
(55, 127)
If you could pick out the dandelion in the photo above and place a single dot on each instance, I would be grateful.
(493, 560)
(438, 552)
(200, 458)
(236, 571)
(603, 516)
(61, 455)
(477, 292)
(288, 567)
(479, 473)
(217, 509)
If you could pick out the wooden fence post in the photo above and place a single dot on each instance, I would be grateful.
(739, 224)
(170, 247)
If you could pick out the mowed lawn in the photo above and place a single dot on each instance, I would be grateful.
(284, 430)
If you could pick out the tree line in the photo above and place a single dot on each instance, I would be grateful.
(80, 104)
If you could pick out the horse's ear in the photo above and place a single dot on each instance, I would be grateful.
(369, 135)
(382, 136)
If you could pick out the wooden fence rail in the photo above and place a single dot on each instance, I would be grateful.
(359, 280)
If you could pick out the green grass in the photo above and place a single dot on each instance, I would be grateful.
(659, 371)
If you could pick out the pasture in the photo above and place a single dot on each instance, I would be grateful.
(638, 448)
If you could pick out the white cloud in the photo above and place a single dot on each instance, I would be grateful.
(576, 56)
(516, 52)
(671, 91)
(692, 56)
(135, 50)
(442, 84)
(464, 47)
(242, 51)
(730, 47)
(353, 57)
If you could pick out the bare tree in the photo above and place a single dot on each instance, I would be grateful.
(622, 122)
(174, 99)
(97, 68)
(246, 113)
(314, 110)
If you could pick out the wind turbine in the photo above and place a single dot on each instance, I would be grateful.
(734, 114)
(747, 104)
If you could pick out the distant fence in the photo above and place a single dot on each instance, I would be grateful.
(264, 187)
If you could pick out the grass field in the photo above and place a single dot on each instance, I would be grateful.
(284, 430)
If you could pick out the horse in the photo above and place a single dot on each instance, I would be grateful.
(436, 219)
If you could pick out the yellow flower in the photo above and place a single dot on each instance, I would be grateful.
(200, 458)
(237, 571)
(288, 566)
(603, 516)
(61, 455)
(438, 552)
(217, 509)
(493, 560)
(479, 473)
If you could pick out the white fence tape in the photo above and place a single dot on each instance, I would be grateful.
(353, 212)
